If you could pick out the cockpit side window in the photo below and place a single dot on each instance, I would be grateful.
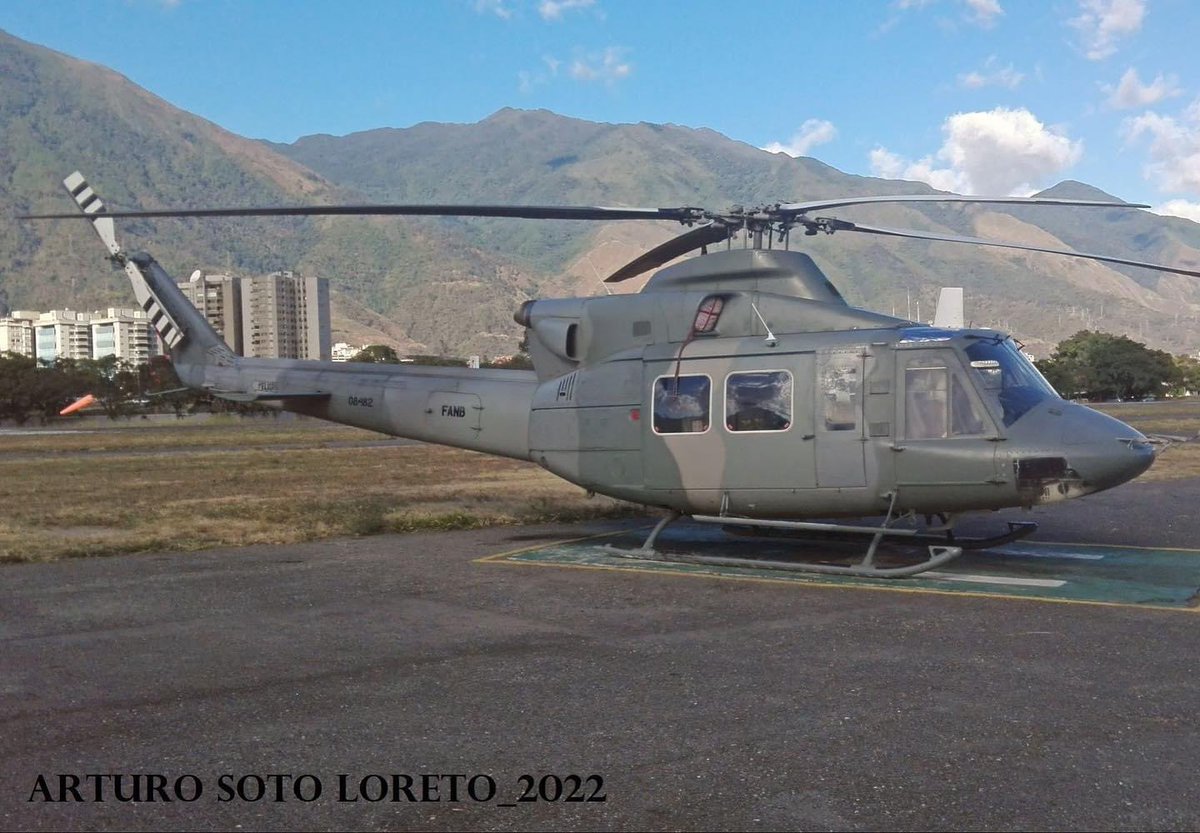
(1007, 379)
(966, 420)
(937, 401)
(925, 402)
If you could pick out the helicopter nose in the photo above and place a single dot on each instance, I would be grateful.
(1103, 451)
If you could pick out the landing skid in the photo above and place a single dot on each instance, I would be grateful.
(942, 550)
(1016, 531)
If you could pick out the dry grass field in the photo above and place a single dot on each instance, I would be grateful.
(131, 487)
(150, 486)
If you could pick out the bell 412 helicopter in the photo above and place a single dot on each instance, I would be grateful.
(737, 387)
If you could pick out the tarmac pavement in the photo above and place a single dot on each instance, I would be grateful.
(381, 667)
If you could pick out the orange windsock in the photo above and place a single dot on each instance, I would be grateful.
(78, 405)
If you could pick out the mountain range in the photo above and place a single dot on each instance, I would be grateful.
(450, 286)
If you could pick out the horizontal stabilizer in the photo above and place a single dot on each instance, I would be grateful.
(269, 396)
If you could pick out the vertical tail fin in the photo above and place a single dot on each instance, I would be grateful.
(949, 312)
(187, 334)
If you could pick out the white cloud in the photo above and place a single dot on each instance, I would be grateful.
(991, 75)
(499, 8)
(1130, 92)
(528, 80)
(889, 165)
(1174, 147)
(553, 9)
(998, 152)
(1101, 23)
(984, 12)
(979, 12)
(1180, 208)
(609, 66)
(812, 133)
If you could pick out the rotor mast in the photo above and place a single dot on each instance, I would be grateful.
(768, 226)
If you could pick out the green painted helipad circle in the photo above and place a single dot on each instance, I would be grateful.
(1062, 572)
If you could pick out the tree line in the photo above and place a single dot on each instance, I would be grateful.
(1100, 366)
(31, 391)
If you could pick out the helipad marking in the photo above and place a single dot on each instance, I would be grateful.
(1009, 580)
(1079, 556)
(1098, 574)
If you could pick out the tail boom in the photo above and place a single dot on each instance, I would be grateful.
(481, 410)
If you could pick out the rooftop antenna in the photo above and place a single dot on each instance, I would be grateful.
(770, 339)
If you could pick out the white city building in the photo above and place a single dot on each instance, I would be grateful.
(343, 352)
(124, 333)
(62, 334)
(16, 333)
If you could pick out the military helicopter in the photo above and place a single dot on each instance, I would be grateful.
(737, 387)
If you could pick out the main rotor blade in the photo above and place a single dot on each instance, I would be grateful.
(843, 225)
(822, 205)
(529, 212)
(673, 248)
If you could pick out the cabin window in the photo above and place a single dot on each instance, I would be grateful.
(758, 401)
(937, 402)
(682, 404)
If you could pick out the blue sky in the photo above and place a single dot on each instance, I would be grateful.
(975, 96)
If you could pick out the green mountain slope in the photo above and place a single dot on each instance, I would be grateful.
(58, 114)
(538, 157)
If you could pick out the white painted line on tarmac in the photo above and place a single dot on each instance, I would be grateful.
(1078, 556)
(40, 432)
(1008, 580)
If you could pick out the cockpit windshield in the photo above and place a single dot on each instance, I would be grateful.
(1006, 378)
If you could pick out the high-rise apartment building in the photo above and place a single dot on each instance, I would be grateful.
(219, 298)
(286, 316)
(278, 316)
